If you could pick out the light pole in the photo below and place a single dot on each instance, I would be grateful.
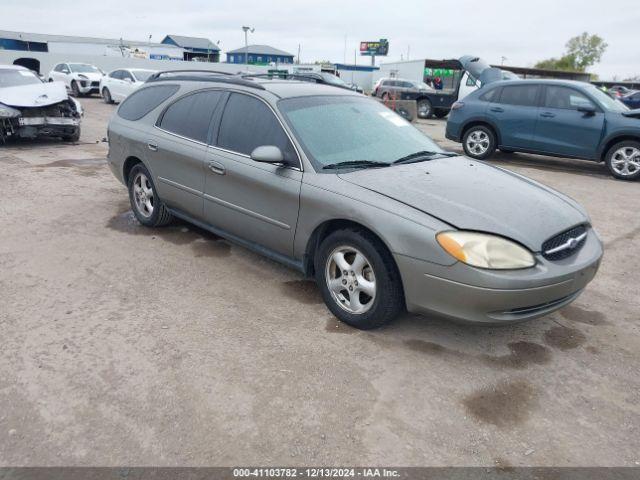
(246, 43)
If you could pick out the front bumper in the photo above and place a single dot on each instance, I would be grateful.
(474, 295)
(88, 86)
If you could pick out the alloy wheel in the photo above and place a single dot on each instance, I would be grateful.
(143, 195)
(351, 280)
(478, 142)
(626, 161)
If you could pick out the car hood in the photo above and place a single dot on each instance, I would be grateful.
(632, 113)
(36, 95)
(471, 195)
(93, 76)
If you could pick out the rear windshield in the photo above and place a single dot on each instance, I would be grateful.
(10, 77)
(142, 75)
(141, 102)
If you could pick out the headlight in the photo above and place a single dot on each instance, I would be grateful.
(8, 112)
(485, 251)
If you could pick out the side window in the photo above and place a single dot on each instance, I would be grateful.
(190, 116)
(565, 98)
(408, 85)
(117, 74)
(126, 75)
(64, 68)
(522, 95)
(490, 96)
(142, 101)
(471, 82)
(58, 68)
(248, 123)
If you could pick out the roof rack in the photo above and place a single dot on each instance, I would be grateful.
(313, 77)
(203, 76)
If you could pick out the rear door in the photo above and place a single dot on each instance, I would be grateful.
(564, 130)
(177, 149)
(515, 113)
(257, 202)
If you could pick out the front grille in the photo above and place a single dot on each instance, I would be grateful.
(566, 244)
(95, 84)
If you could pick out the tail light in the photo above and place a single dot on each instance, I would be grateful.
(457, 105)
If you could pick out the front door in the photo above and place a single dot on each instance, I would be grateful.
(257, 202)
(177, 149)
(563, 129)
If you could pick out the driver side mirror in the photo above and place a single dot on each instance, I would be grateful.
(588, 110)
(267, 154)
(128, 80)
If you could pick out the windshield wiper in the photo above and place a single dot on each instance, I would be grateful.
(355, 164)
(423, 156)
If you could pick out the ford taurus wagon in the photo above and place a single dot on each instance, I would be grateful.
(337, 186)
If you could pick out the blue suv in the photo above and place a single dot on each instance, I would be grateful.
(549, 117)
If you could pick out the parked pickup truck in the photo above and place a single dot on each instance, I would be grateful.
(465, 75)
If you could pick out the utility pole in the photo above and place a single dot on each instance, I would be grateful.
(298, 54)
(345, 50)
(246, 43)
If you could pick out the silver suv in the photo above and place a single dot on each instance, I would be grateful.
(341, 188)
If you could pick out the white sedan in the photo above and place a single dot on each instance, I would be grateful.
(118, 84)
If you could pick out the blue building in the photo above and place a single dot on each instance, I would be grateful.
(201, 49)
(259, 55)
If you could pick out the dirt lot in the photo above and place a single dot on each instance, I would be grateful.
(122, 345)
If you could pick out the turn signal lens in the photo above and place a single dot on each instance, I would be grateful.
(485, 251)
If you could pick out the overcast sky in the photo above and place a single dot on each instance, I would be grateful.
(522, 31)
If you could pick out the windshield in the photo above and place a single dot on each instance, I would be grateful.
(332, 79)
(142, 75)
(606, 101)
(83, 68)
(342, 129)
(16, 78)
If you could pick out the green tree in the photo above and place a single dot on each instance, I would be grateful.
(582, 52)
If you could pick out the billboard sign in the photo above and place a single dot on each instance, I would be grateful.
(379, 48)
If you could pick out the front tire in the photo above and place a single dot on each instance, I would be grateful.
(623, 160)
(145, 203)
(106, 95)
(358, 278)
(75, 91)
(425, 109)
(75, 137)
(479, 142)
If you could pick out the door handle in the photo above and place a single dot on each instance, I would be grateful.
(547, 115)
(152, 146)
(497, 109)
(217, 168)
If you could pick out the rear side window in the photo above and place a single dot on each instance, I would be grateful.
(565, 98)
(248, 123)
(490, 96)
(523, 95)
(190, 116)
(141, 102)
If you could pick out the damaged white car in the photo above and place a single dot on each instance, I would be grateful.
(31, 108)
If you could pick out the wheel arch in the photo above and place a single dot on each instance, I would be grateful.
(484, 123)
(610, 142)
(128, 165)
(326, 228)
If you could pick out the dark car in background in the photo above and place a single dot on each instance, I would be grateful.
(549, 117)
(631, 100)
(389, 89)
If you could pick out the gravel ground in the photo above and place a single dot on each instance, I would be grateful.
(128, 346)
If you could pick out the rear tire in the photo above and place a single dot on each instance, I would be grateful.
(623, 160)
(425, 109)
(479, 142)
(145, 203)
(366, 291)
